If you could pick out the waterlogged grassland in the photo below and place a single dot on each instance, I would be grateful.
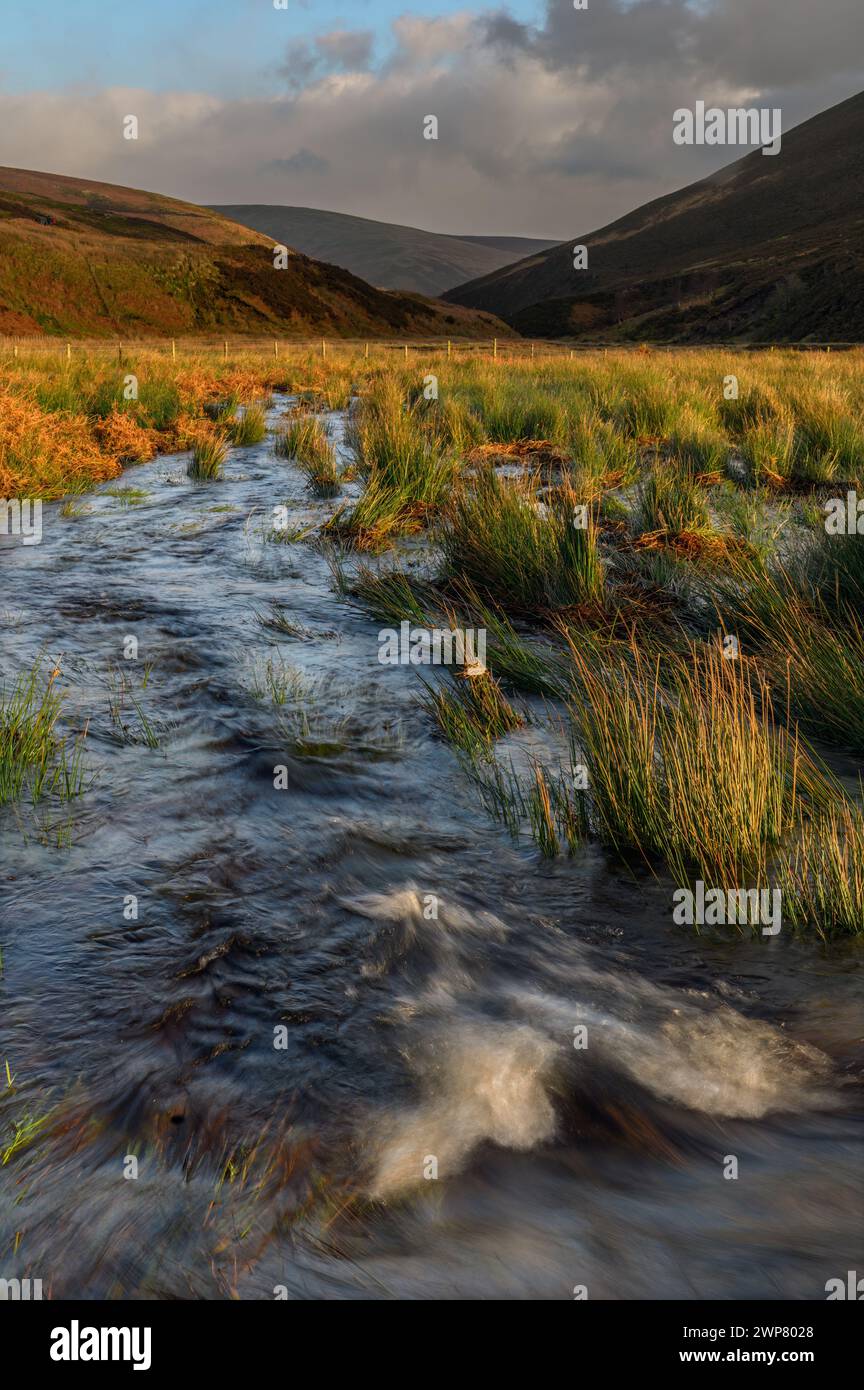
(641, 538)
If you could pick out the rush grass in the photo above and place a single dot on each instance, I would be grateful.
(685, 762)
(524, 554)
(471, 711)
(36, 761)
(307, 444)
(208, 459)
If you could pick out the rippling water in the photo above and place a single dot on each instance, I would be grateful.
(406, 1043)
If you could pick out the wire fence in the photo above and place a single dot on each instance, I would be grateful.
(505, 349)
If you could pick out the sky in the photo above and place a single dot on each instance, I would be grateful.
(552, 121)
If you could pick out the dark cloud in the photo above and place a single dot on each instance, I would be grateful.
(343, 50)
(753, 43)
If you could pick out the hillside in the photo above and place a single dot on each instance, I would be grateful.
(385, 254)
(768, 249)
(91, 259)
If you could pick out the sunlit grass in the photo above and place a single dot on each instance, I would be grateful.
(306, 442)
(524, 554)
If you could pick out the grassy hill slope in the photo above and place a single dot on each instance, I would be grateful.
(89, 259)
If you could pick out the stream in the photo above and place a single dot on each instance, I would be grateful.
(360, 966)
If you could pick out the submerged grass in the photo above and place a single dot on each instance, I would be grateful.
(35, 760)
(471, 711)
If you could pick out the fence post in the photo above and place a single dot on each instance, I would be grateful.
(448, 347)
(323, 348)
(494, 347)
(367, 350)
(173, 350)
(68, 352)
(225, 349)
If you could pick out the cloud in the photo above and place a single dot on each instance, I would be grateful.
(551, 130)
(342, 50)
(302, 162)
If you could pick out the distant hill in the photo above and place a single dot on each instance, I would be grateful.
(771, 248)
(385, 254)
(92, 259)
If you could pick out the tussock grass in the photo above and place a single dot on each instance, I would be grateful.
(769, 449)
(471, 710)
(406, 469)
(830, 435)
(755, 405)
(836, 572)
(523, 555)
(306, 442)
(393, 596)
(35, 760)
(685, 761)
(250, 427)
(208, 459)
(602, 457)
(546, 803)
(812, 656)
(822, 879)
(222, 412)
(647, 411)
(670, 505)
(697, 447)
(521, 663)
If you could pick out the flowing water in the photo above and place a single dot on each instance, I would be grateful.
(353, 981)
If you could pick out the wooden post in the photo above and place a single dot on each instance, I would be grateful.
(323, 348)
(494, 347)
(448, 347)
(225, 349)
(68, 352)
(406, 352)
(173, 351)
(367, 350)
(275, 348)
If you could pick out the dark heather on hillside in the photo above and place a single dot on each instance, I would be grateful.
(770, 248)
